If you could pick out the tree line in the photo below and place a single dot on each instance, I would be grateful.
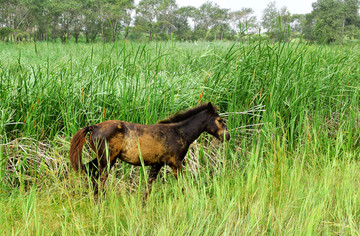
(111, 20)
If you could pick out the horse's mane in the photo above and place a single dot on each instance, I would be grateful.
(188, 113)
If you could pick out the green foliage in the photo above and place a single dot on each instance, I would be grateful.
(111, 20)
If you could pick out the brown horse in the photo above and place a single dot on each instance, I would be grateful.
(166, 142)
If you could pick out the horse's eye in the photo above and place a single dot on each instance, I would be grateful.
(222, 121)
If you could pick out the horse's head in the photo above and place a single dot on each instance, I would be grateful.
(215, 125)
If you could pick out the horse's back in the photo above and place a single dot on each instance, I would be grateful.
(129, 141)
(107, 129)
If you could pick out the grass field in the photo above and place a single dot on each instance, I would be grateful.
(291, 166)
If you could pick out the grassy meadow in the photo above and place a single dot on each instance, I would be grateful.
(291, 166)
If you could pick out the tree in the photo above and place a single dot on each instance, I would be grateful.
(221, 23)
(53, 19)
(146, 16)
(243, 21)
(182, 17)
(90, 20)
(166, 18)
(275, 22)
(211, 21)
(269, 18)
(64, 14)
(13, 18)
(146, 13)
(116, 17)
(297, 24)
(333, 20)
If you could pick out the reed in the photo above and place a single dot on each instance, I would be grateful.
(291, 166)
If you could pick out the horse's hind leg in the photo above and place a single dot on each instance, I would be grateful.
(154, 171)
(102, 163)
(92, 168)
(104, 171)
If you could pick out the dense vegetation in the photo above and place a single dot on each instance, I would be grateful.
(111, 20)
(291, 166)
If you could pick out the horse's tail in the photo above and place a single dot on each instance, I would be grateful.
(76, 145)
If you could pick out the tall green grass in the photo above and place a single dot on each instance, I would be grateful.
(290, 167)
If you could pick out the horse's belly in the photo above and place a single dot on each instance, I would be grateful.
(146, 147)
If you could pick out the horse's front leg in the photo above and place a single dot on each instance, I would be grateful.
(178, 170)
(154, 171)
(177, 167)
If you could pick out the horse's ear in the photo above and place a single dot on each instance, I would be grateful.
(210, 107)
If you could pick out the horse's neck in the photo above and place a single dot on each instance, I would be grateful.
(192, 127)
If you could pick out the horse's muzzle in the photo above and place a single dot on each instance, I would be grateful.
(225, 136)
